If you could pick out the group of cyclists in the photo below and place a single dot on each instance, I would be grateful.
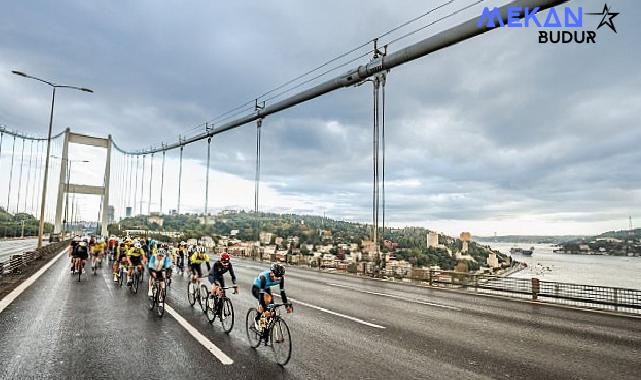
(160, 259)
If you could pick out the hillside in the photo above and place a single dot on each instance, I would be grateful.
(411, 241)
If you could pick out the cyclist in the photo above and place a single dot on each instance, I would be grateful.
(72, 250)
(121, 259)
(80, 255)
(135, 258)
(195, 261)
(97, 251)
(182, 253)
(261, 290)
(158, 265)
(216, 278)
(111, 247)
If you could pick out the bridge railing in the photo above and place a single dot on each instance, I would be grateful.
(15, 263)
(579, 295)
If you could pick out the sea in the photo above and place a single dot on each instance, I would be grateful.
(614, 271)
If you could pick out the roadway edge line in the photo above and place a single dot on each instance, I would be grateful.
(208, 344)
(9, 298)
(393, 296)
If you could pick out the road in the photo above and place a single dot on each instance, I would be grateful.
(342, 327)
(11, 247)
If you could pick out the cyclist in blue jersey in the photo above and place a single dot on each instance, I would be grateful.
(261, 290)
(158, 265)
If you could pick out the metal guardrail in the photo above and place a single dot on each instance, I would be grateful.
(589, 296)
(579, 295)
(17, 262)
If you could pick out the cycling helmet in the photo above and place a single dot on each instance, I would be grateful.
(225, 258)
(277, 269)
(83, 243)
(137, 244)
(161, 252)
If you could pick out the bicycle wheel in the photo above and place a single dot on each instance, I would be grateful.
(204, 295)
(134, 285)
(252, 335)
(226, 315)
(191, 293)
(122, 276)
(281, 341)
(211, 312)
(79, 271)
(161, 302)
(152, 299)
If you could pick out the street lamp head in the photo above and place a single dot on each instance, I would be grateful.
(19, 73)
(86, 90)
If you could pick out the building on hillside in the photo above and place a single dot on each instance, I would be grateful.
(173, 212)
(265, 237)
(493, 260)
(466, 238)
(432, 239)
(128, 211)
(233, 232)
(279, 240)
(293, 239)
(398, 268)
(206, 219)
(155, 218)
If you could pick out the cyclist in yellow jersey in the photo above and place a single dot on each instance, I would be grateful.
(195, 261)
(136, 258)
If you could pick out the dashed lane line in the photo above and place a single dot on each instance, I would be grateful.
(208, 344)
(6, 301)
(411, 300)
(326, 310)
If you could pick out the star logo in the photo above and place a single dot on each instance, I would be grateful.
(607, 18)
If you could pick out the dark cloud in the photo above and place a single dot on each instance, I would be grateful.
(489, 129)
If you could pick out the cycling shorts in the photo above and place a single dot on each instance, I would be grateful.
(135, 260)
(195, 268)
(83, 255)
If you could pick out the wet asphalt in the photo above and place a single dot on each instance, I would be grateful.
(60, 328)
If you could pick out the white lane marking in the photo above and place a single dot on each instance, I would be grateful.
(325, 310)
(6, 301)
(211, 347)
(396, 297)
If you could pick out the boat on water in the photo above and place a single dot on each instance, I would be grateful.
(521, 251)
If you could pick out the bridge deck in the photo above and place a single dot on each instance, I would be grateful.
(342, 328)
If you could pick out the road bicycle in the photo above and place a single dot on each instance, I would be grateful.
(222, 308)
(158, 294)
(136, 281)
(273, 332)
(197, 293)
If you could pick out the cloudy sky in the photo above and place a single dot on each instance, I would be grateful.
(496, 134)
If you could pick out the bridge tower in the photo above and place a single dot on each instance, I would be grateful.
(64, 187)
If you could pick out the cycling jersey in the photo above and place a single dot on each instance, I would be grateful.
(136, 252)
(199, 258)
(263, 284)
(217, 271)
(165, 265)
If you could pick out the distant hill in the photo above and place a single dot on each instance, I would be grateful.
(528, 239)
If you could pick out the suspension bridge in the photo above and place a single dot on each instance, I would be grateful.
(343, 326)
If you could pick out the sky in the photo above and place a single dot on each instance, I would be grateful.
(498, 134)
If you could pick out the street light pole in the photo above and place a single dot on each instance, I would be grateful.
(46, 176)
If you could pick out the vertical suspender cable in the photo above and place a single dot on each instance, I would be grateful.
(142, 184)
(151, 178)
(13, 151)
(35, 179)
(180, 176)
(162, 180)
(20, 178)
(1, 140)
(259, 124)
(136, 186)
(28, 175)
(207, 180)
(383, 80)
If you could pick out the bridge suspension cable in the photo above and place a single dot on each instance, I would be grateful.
(136, 186)
(13, 151)
(20, 177)
(28, 175)
(162, 180)
(151, 178)
(142, 184)
(207, 179)
(180, 176)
